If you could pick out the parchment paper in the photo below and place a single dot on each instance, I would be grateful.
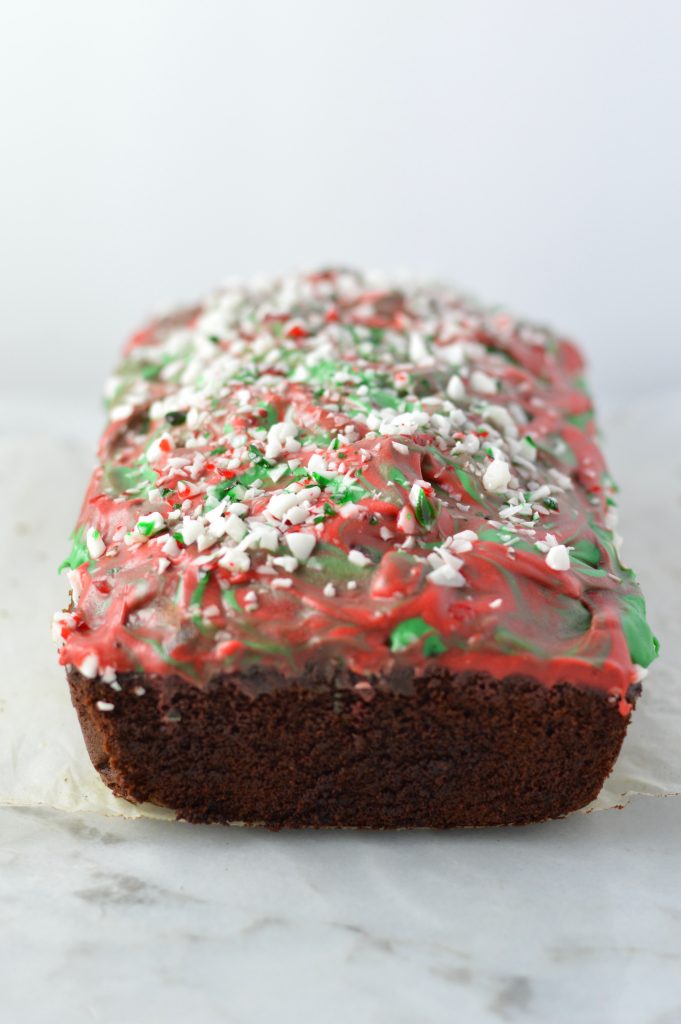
(43, 760)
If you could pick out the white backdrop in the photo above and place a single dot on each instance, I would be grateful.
(529, 150)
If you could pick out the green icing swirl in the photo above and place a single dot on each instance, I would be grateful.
(643, 645)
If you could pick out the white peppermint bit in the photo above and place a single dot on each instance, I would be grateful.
(170, 547)
(496, 476)
(267, 537)
(406, 520)
(463, 541)
(235, 560)
(160, 446)
(95, 545)
(89, 666)
(147, 526)
(455, 388)
(280, 504)
(281, 583)
(482, 382)
(286, 562)
(446, 576)
(558, 558)
(235, 527)
(301, 544)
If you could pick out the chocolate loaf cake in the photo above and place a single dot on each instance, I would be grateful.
(347, 559)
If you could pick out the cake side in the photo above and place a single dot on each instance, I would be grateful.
(434, 752)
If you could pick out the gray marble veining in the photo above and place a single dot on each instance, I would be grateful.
(138, 922)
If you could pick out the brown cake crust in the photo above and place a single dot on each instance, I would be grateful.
(330, 750)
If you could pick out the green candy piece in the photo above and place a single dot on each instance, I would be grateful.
(396, 476)
(434, 645)
(271, 414)
(410, 631)
(425, 510)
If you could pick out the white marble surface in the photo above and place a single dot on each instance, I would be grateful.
(142, 922)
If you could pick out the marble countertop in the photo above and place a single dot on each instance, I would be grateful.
(139, 922)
